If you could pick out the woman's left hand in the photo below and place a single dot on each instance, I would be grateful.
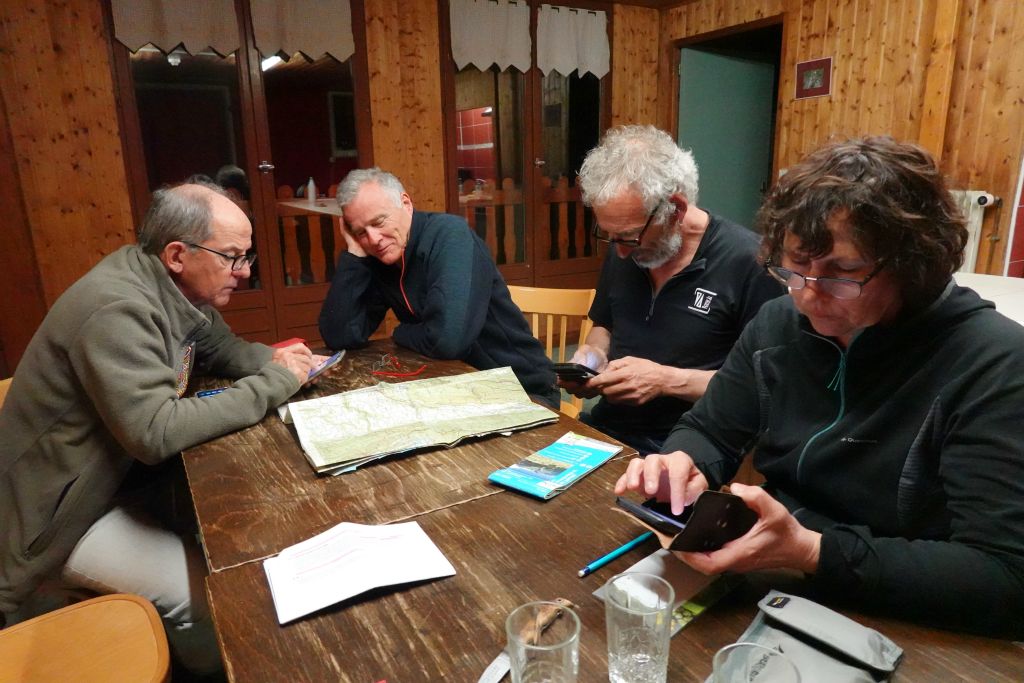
(775, 541)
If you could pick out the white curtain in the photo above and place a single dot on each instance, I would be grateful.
(572, 40)
(485, 32)
(166, 23)
(313, 27)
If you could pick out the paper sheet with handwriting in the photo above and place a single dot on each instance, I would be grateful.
(347, 560)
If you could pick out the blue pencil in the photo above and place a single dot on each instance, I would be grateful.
(618, 552)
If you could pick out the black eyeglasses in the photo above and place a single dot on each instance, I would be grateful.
(838, 287)
(237, 262)
(602, 235)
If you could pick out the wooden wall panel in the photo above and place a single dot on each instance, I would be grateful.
(880, 57)
(635, 33)
(23, 305)
(946, 73)
(403, 48)
(57, 87)
(984, 140)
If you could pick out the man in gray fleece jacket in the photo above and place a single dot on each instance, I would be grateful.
(101, 388)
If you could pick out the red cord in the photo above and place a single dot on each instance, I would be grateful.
(401, 285)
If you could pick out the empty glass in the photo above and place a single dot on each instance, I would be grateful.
(638, 616)
(749, 662)
(543, 643)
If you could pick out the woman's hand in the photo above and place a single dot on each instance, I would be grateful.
(672, 477)
(776, 541)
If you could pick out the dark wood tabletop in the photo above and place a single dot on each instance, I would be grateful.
(255, 494)
(509, 549)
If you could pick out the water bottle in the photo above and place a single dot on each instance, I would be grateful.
(310, 190)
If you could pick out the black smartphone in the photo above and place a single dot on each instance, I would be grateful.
(326, 365)
(574, 372)
(713, 520)
(657, 515)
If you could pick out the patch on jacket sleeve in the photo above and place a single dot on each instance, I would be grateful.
(185, 368)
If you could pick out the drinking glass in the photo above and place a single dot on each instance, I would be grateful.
(748, 662)
(638, 615)
(542, 647)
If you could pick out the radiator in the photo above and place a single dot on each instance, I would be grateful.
(973, 204)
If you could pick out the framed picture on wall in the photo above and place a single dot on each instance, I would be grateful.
(814, 78)
(343, 124)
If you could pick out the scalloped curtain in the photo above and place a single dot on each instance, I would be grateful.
(312, 27)
(168, 23)
(570, 39)
(486, 32)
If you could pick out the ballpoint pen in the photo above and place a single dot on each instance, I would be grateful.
(618, 552)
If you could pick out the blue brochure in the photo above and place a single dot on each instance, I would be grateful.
(554, 468)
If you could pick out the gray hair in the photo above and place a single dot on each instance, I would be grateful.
(354, 181)
(180, 213)
(641, 159)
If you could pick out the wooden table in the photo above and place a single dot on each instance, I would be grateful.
(507, 549)
(255, 493)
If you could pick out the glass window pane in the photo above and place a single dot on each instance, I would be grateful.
(570, 127)
(311, 116)
(190, 121)
(489, 156)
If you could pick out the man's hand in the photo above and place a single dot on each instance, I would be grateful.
(630, 381)
(317, 362)
(776, 541)
(595, 359)
(297, 358)
(351, 243)
(672, 477)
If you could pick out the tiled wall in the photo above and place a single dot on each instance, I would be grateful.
(475, 144)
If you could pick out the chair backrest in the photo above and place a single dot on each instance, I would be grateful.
(5, 385)
(549, 312)
(113, 638)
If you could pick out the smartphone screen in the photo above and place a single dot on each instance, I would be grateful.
(326, 365)
(656, 515)
(574, 372)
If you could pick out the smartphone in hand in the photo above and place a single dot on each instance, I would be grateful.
(326, 365)
(713, 520)
(574, 372)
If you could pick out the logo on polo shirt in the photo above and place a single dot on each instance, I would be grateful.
(702, 299)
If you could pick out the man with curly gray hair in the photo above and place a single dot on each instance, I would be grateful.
(674, 294)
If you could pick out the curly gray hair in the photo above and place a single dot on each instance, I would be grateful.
(643, 159)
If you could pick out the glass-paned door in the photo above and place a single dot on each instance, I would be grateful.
(191, 117)
(262, 129)
(520, 139)
(565, 253)
(489, 135)
(312, 135)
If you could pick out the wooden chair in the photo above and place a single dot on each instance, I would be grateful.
(556, 308)
(110, 639)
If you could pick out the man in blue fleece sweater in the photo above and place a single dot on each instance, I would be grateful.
(439, 279)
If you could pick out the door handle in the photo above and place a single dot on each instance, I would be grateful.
(539, 162)
(265, 167)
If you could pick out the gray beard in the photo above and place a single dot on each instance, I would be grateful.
(660, 253)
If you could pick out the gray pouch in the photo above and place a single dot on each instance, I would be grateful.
(824, 645)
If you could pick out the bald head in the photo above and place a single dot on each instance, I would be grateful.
(185, 213)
